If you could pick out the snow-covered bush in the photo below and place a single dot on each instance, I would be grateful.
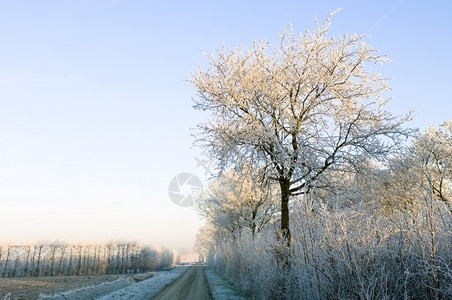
(382, 230)
(347, 254)
(152, 258)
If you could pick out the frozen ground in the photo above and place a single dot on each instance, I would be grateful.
(91, 292)
(29, 288)
(148, 288)
(114, 287)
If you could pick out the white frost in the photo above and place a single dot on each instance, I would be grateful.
(148, 288)
(90, 292)
(220, 288)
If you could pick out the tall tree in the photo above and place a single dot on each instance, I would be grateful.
(297, 109)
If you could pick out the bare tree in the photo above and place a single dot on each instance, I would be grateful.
(79, 248)
(71, 256)
(297, 109)
(118, 258)
(96, 259)
(27, 249)
(39, 249)
(60, 268)
(86, 259)
(17, 250)
(8, 254)
(53, 247)
(110, 255)
(105, 262)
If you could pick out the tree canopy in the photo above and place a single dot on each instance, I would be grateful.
(296, 109)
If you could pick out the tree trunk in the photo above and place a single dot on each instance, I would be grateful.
(5, 270)
(27, 262)
(60, 263)
(33, 261)
(285, 195)
(79, 266)
(253, 225)
(70, 262)
(16, 264)
(52, 259)
(38, 267)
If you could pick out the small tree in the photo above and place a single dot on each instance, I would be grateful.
(236, 201)
(425, 166)
(296, 109)
(432, 153)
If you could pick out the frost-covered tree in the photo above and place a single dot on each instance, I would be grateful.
(205, 239)
(238, 201)
(424, 169)
(297, 108)
(433, 154)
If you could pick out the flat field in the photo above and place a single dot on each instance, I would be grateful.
(28, 288)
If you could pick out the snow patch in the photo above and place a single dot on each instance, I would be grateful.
(90, 292)
(148, 288)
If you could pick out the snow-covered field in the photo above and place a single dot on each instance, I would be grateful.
(29, 288)
(122, 288)
(91, 292)
(128, 288)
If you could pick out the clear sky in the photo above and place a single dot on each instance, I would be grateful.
(95, 112)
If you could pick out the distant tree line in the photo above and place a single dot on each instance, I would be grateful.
(60, 259)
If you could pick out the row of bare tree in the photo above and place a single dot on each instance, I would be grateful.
(58, 258)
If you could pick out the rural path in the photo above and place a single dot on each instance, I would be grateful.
(192, 284)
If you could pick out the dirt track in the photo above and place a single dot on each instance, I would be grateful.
(192, 285)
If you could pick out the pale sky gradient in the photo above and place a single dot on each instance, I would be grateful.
(95, 112)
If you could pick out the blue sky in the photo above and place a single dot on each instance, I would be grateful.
(95, 112)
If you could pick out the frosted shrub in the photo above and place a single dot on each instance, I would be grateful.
(347, 254)
(167, 258)
(155, 259)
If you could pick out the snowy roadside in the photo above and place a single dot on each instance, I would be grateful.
(220, 288)
(148, 288)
